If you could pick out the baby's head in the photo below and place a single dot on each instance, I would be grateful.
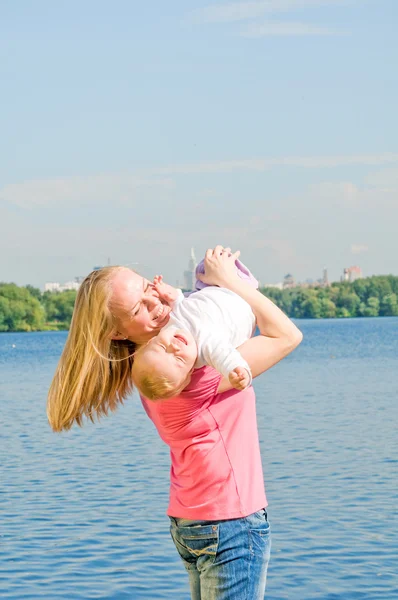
(162, 367)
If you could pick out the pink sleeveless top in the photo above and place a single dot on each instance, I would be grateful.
(216, 470)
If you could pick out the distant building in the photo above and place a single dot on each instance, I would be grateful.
(52, 286)
(279, 286)
(311, 283)
(321, 282)
(70, 285)
(351, 274)
(62, 287)
(288, 281)
(189, 274)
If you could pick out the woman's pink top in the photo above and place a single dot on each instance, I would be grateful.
(216, 470)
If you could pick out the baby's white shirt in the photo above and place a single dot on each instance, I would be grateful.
(219, 321)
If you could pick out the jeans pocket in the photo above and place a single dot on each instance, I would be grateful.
(197, 542)
(260, 536)
(261, 514)
(258, 522)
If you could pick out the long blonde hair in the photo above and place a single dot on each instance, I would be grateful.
(93, 375)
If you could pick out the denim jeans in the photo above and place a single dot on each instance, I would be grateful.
(225, 560)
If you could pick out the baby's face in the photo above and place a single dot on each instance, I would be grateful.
(173, 352)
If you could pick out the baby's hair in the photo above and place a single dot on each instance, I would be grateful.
(150, 383)
(156, 387)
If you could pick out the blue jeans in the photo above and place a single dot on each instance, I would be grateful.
(225, 560)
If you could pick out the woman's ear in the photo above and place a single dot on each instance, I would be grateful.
(116, 335)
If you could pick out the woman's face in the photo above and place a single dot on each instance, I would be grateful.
(140, 313)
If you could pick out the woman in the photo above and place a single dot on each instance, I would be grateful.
(115, 309)
(217, 499)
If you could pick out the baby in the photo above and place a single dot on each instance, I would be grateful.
(204, 329)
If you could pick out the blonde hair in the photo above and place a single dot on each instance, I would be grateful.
(93, 375)
(150, 383)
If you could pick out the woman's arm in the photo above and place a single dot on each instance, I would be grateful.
(278, 334)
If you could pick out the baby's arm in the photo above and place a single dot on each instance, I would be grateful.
(278, 334)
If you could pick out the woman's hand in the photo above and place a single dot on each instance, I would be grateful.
(220, 268)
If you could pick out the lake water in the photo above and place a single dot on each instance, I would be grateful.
(83, 513)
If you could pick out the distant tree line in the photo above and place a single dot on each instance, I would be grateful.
(29, 309)
(371, 297)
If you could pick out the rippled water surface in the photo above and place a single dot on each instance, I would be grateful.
(83, 513)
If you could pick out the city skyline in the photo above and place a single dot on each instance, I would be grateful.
(187, 279)
(267, 127)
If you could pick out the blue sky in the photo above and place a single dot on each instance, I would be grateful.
(135, 130)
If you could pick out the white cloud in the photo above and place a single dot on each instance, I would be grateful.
(119, 188)
(125, 189)
(256, 30)
(344, 193)
(384, 179)
(348, 195)
(264, 164)
(240, 11)
(359, 248)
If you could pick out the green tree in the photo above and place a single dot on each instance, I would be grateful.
(311, 308)
(389, 306)
(371, 308)
(348, 300)
(360, 287)
(19, 310)
(328, 308)
(59, 307)
(33, 291)
(305, 304)
(343, 312)
(5, 313)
